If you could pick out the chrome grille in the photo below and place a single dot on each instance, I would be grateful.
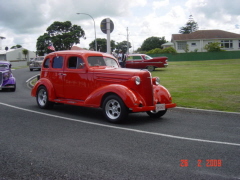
(1, 78)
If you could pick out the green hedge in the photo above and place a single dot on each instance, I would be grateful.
(196, 56)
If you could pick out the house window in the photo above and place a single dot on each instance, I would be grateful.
(193, 44)
(239, 44)
(227, 44)
(181, 45)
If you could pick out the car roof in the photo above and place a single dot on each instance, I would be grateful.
(81, 52)
(4, 62)
(136, 54)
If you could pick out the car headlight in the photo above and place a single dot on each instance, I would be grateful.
(6, 76)
(156, 81)
(137, 80)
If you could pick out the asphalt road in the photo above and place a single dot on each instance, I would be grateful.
(71, 142)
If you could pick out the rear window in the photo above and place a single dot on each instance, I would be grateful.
(46, 63)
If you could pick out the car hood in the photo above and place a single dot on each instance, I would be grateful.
(119, 71)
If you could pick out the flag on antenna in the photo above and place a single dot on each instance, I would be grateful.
(51, 47)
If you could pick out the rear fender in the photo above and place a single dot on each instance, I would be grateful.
(129, 97)
(44, 82)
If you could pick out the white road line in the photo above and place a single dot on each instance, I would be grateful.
(125, 129)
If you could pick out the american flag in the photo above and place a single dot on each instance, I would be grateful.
(51, 47)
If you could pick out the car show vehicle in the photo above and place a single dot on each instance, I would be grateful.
(143, 61)
(36, 63)
(95, 79)
(7, 81)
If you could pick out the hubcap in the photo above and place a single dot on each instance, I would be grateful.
(42, 97)
(113, 109)
(150, 68)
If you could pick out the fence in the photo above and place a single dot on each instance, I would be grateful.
(196, 56)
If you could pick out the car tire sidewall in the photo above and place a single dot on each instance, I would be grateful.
(156, 114)
(123, 109)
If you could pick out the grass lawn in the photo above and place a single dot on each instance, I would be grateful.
(213, 84)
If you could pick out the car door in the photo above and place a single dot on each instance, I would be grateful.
(129, 62)
(56, 75)
(138, 62)
(76, 81)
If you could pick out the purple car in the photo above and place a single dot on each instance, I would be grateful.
(7, 81)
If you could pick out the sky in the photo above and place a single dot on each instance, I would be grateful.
(23, 21)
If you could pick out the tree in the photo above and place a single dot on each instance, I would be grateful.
(191, 26)
(25, 52)
(162, 51)
(152, 43)
(42, 44)
(213, 47)
(123, 46)
(15, 47)
(102, 45)
(62, 35)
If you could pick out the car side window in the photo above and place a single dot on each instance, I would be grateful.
(57, 62)
(135, 58)
(75, 63)
(130, 58)
(46, 63)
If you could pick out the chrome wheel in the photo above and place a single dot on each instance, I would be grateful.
(150, 68)
(42, 97)
(113, 109)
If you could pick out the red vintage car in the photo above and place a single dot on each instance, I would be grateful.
(95, 79)
(143, 61)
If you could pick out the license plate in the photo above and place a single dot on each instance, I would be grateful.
(159, 107)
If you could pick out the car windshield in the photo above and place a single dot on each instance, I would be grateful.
(148, 57)
(3, 66)
(101, 61)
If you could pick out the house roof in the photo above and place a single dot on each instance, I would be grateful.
(76, 48)
(205, 34)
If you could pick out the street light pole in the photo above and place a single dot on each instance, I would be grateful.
(94, 29)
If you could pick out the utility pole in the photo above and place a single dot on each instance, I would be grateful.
(127, 42)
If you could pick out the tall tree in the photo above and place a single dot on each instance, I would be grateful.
(62, 35)
(152, 43)
(102, 45)
(42, 44)
(191, 26)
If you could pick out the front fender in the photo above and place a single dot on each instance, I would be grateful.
(161, 95)
(11, 80)
(129, 97)
(44, 82)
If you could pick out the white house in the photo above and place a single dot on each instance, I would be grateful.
(16, 54)
(198, 39)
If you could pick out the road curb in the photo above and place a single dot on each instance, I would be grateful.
(207, 110)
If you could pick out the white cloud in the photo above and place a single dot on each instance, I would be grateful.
(159, 4)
